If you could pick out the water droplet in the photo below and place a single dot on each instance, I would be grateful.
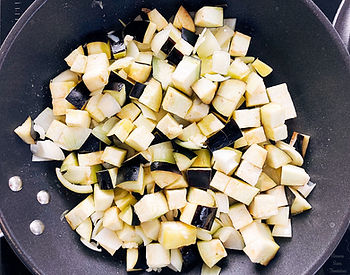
(15, 183)
(332, 224)
(37, 227)
(43, 197)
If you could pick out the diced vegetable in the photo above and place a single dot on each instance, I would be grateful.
(211, 251)
(183, 20)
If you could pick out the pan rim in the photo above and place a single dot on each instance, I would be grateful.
(309, 4)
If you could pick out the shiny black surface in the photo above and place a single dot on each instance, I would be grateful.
(335, 258)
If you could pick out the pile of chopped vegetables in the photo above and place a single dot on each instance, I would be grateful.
(171, 129)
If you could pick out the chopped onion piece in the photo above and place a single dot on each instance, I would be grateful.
(48, 150)
(91, 245)
(44, 119)
(216, 77)
(82, 189)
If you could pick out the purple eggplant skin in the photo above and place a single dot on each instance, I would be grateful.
(188, 36)
(116, 43)
(204, 217)
(135, 218)
(79, 96)
(137, 90)
(175, 56)
(104, 180)
(141, 259)
(137, 159)
(199, 177)
(168, 46)
(225, 137)
(165, 166)
(128, 173)
(159, 137)
(137, 29)
(184, 151)
(190, 257)
(92, 144)
(115, 83)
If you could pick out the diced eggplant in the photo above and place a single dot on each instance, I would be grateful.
(225, 137)
(26, 132)
(306, 189)
(209, 17)
(106, 179)
(115, 84)
(128, 173)
(162, 152)
(118, 47)
(168, 46)
(140, 139)
(136, 259)
(211, 251)
(92, 144)
(157, 256)
(190, 256)
(290, 196)
(129, 217)
(184, 20)
(174, 234)
(189, 36)
(203, 158)
(80, 212)
(137, 29)
(137, 90)
(137, 159)
(70, 160)
(159, 137)
(300, 142)
(200, 197)
(151, 206)
(204, 217)
(169, 126)
(79, 95)
(175, 56)
(199, 177)
(164, 173)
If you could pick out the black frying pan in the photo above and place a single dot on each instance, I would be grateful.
(293, 36)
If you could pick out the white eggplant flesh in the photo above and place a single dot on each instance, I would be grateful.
(261, 251)
(209, 17)
(151, 228)
(263, 206)
(151, 206)
(294, 176)
(108, 105)
(85, 229)
(109, 240)
(111, 219)
(211, 251)
(230, 238)
(157, 256)
(103, 198)
(206, 270)
(175, 260)
(239, 215)
(81, 212)
(284, 230)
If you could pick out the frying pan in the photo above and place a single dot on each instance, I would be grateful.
(293, 36)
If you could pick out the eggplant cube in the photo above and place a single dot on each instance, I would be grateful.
(176, 198)
(221, 62)
(262, 68)
(24, 131)
(151, 228)
(248, 172)
(199, 177)
(60, 106)
(140, 139)
(61, 89)
(80, 212)
(184, 20)
(176, 103)
(79, 64)
(256, 155)
(254, 135)
(223, 35)
(122, 129)
(157, 256)
(255, 231)
(183, 47)
(239, 44)
(211, 251)
(283, 230)
(151, 206)
(239, 216)
(78, 118)
(145, 122)
(169, 127)
(280, 94)
(226, 160)
(306, 189)
(299, 204)
(272, 115)
(247, 118)
(152, 95)
(139, 72)
(111, 219)
(105, 180)
(241, 191)
(281, 218)
(238, 69)
(197, 111)
(90, 159)
(92, 108)
(205, 89)
(103, 198)
(114, 156)
(261, 251)
(72, 56)
(256, 91)
(294, 176)
(96, 72)
(129, 111)
(109, 240)
(174, 234)
(209, 17)
(276, 133)
(220, 181)
(200, 197)
(265, 182)
(55, 130)
(210, 125)
(186, 73)
(155, 17)
(263, 206)
(276, 158)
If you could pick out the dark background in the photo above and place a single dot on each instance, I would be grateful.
(11, 10)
